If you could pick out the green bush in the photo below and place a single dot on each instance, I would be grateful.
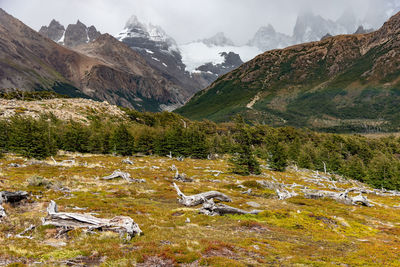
(243, 160)
(122, 141)
(31, 138)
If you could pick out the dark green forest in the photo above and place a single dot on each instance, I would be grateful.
(371, 160)
(375, 161)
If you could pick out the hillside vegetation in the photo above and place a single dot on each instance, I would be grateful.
(105, 129)
(280, 172)
(293, 231)
(347, 83)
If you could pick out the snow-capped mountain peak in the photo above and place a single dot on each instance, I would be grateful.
(136, 29)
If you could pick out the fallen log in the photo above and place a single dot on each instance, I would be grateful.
(284, 194)
(67, 162)
(16, 165)
(271, 185)
(182, 177)
(119, 224)
(23, 233)
(212, 209)
(127, 161)
(360, 199)
(124, 175)
(13, 197)
(342, 197)
(198, 199)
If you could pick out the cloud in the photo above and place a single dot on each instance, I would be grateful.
(186, 20)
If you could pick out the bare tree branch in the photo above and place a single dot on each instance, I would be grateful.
(212, 209)
(198, 199)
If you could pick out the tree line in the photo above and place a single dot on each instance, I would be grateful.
(375, 161)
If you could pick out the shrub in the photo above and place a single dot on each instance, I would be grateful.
(122, 141)
(31, 138)
(38, 181)
(243, 160)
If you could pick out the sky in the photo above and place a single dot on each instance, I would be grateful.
(186, 20)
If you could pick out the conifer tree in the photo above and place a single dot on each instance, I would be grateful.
(31, 138)
(122, 141)
(243, 160)
(278, 157)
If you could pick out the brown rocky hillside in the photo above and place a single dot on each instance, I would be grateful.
(346, 82)
(104, 70)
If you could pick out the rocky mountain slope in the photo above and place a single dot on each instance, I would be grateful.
(174, 62)
(105, 69)
(347, 82)
(160, 51)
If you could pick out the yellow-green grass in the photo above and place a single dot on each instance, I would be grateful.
(295, 231)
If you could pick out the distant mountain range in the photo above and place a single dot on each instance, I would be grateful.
(142, 67)
(103, 69)
(158, 50)
(310, 27)
(342, 83)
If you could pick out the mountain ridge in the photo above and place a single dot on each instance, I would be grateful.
(295, 85)
(30, 61)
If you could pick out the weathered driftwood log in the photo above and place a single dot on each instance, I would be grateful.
(212, 209)
(360, 199)
(127, 161)
(182, 177)
(13, 197)
(64, 162)
(341, 197)
(2, 212)
(119, 224)
(198, 199)
(248, 192)
(123, 175)
(16, 165)
(212, 156)
(284, 194)
(271, 185)
(23, 233)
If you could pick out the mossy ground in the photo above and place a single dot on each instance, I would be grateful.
(297, 231)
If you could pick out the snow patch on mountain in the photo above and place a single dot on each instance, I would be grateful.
(198, 53)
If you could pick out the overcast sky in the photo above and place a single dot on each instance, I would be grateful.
(185, 20)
